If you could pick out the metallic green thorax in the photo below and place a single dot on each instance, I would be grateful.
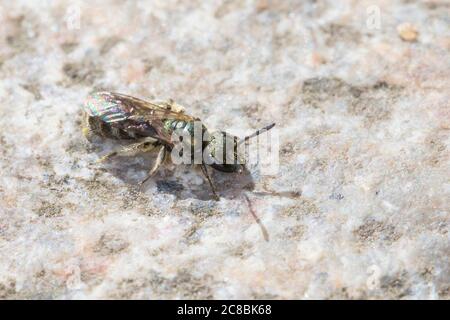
(172, 125)
(186, 126)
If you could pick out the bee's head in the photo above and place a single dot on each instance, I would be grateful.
(224, 151)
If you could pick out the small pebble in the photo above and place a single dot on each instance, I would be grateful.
(407, 32)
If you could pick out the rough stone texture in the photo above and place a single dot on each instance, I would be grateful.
(364, 124)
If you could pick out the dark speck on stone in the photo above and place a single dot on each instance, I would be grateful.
(168, 186)
(336, 196)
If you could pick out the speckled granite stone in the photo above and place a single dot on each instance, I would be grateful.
(364, 122)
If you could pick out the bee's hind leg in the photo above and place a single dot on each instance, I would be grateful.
(159, 160)
(86, 132)
(132, 149)
(86, 128)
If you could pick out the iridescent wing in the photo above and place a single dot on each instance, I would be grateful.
(115, 107)
(130, 113)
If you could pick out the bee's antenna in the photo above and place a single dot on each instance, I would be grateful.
(257, 133)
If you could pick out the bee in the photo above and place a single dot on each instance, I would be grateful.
(149, 125)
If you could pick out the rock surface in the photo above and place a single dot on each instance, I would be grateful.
(364, 123)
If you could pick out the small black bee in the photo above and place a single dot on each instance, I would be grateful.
(150, 125)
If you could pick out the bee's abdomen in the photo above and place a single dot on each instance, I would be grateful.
(107, 130)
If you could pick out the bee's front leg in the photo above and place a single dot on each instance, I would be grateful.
(140, 147)
(213, 189)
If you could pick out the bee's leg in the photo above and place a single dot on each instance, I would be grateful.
(86, 132)
(86, 129)
(213, 189)
(132, 149)
(158, 161)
